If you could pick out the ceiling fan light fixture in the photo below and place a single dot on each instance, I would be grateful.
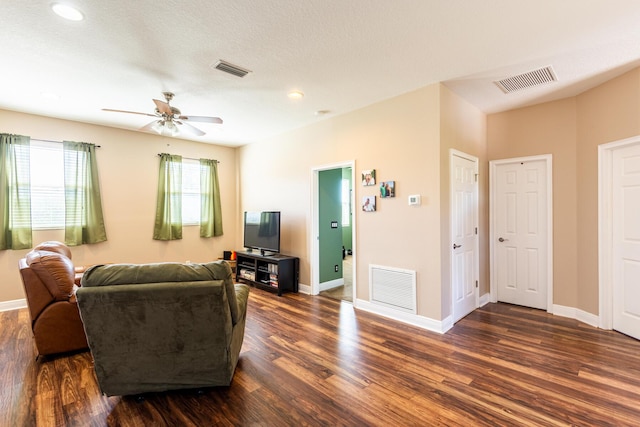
(171, 129)
(158, 127)
(67, 12)
(169, 121)
(165, 128)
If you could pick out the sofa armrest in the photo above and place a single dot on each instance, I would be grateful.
(242, 298)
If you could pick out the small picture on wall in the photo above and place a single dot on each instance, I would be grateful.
(369, 177)
(369, 203)
(388, 189)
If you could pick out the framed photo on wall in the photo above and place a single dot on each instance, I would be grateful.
(368, 177)
(388, 189)
(369, 203)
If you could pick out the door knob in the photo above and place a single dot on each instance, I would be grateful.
(456, 246)
(502, 240)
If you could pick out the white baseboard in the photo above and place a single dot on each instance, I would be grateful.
(485, 299)
(13, 305)
(439, 326)
(574, 313)
(325, 286)
(304, 289)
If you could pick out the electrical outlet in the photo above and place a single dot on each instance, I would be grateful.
(336, 268)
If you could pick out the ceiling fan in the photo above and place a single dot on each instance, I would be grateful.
(170, 121)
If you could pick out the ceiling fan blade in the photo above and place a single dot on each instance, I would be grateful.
(202, 119)
(129, 112)
(163, 107)
(190, 129)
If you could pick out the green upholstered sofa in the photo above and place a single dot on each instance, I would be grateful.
(165, 326)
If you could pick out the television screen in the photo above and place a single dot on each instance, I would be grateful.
(262, 231)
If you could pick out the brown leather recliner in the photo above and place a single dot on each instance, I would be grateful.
(49, 279)
(61, 248)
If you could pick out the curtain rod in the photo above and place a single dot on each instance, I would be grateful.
(191, 158)
(56, 142)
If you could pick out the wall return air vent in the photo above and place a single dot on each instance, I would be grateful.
(527, 80)
(230, 68)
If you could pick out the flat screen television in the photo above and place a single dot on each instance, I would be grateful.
(262, 231)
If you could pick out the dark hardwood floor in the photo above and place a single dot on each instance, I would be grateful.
(316, 362)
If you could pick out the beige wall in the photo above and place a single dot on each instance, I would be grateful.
(463, 128)
(128, 167)
(571, 130)
(605, 114)
(401, 139)
(547, 129)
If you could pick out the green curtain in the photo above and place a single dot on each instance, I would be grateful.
(15, 192)
(168, 223)
(84, 222)
(210, 210)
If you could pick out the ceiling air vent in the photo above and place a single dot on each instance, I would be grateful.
(230, 68)
(527, 80)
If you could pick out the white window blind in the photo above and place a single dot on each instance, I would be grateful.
(47, 185)
(190, 192)
(20, 182)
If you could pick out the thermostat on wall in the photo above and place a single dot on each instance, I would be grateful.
(414, 200)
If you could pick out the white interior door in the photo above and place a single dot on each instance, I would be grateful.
(520, 235)
(626, 240)
(464, 234)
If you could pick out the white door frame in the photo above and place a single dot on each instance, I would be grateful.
(605, 227)
(476, 269)
(314, 227)
(547, 158)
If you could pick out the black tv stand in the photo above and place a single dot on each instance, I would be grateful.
(277, 273)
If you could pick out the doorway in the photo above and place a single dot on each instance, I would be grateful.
(619, 235)
(333, 225)
(521, 238)
(464, 234)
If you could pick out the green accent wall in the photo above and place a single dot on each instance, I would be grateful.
(330, 210)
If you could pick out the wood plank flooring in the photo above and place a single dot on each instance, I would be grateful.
(313, 361)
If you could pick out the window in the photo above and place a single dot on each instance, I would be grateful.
(187, 195)
(190, 192)
(47, 185)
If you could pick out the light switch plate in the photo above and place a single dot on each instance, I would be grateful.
(414, 200)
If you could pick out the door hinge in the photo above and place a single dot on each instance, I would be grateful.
(476, 283)
(476, 176)
(476, 230)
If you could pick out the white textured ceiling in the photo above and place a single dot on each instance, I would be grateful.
(343, 55)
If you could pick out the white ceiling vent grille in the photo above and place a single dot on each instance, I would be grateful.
(230, 68)
(533, 78)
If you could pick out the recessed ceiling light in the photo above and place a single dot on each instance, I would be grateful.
(67, 12)
(296, 94)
